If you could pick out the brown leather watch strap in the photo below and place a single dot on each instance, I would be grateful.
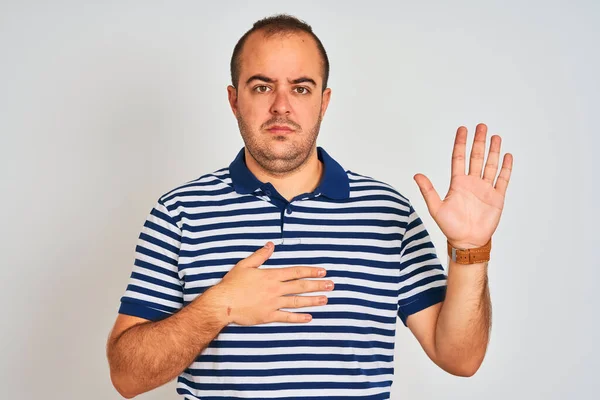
(470, 256)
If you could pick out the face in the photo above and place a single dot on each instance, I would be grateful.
(279, 102)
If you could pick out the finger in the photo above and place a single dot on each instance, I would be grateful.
(478, 151)
(432, 198)
(491, 166)
(286, 316)
(301, 301)
(504, 177)
(306, 286)
(458, 153)
(259, 257)
(290, 273)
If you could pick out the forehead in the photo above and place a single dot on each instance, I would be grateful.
(287, 55)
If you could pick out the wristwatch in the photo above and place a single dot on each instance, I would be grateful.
(470, 256)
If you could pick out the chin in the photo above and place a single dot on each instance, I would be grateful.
(280, 145)
(281, 151)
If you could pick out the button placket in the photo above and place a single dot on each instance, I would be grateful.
(288, 240)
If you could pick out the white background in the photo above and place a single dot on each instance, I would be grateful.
(104, 107)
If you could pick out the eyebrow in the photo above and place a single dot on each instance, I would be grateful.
(263, 78)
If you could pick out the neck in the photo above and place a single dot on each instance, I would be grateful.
(303, 179)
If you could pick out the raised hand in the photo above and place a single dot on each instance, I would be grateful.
(471, 210)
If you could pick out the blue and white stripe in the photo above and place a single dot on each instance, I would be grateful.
(365, 234)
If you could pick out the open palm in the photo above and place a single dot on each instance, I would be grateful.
(471, 210)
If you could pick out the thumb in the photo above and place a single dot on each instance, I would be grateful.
(259, 257)
(432, 199)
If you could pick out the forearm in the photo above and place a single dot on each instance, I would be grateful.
(464, 322)
(151, 354)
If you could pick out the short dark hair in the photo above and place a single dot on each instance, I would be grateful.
(277, 24)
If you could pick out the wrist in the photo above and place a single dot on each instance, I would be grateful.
(215, 299)
(466, 245)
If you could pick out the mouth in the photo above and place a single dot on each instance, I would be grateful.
(280, 129)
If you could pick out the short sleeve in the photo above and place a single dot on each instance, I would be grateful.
(422, 277)
(155, 290)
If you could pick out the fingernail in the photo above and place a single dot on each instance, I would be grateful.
(269, 245)
(329, 285)
(322, 272)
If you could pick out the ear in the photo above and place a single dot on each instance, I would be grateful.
(232, 97)
(325, 101)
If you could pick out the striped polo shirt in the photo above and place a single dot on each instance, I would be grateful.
(367, 236)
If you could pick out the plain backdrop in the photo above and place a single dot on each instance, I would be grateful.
(105, 106)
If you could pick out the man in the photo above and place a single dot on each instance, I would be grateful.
(236, 318)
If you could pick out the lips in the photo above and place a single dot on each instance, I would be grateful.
(280, 129)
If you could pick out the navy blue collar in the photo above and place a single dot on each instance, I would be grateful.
(334, 183)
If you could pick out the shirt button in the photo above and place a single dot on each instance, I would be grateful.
(289, 210)
(268, 192)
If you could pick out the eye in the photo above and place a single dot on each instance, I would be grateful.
(302, 90)
(261, 88)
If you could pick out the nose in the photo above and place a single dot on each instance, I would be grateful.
(281, 104)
